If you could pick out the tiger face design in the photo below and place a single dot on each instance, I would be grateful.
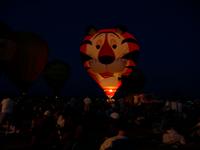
(109, 54)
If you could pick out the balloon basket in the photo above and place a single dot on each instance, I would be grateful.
(110, 100)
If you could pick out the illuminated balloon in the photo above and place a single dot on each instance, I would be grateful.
(107, 55)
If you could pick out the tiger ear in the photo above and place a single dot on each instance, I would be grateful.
(120, 29)
(91, 30)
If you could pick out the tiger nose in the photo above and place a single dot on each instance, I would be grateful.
(106, 59)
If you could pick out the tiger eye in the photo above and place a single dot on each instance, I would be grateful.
(98, 46)
(114, 46)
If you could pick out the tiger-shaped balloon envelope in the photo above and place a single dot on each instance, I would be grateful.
(107, 55)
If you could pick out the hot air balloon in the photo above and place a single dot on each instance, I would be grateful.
(56, 73)
(29, 59)
(109, 54)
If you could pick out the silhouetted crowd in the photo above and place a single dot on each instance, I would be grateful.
(86, 123)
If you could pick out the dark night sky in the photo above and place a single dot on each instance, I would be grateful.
(168, 32)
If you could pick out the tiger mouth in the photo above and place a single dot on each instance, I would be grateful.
(117, 66)
(129, 67)
(107, 74)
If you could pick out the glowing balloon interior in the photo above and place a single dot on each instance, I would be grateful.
(107, 55)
